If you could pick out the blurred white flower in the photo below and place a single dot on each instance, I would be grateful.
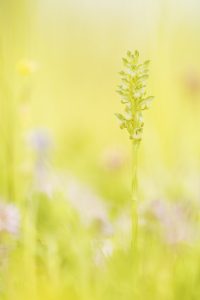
(123, 229)
(89, 205)
(107, 248)
(9, 218)
(103, 249)
(45, 180)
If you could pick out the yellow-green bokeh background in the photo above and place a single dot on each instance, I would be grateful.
(78, 46)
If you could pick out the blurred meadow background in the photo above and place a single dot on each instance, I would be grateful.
(65, 166)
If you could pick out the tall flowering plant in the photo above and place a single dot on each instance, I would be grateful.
(134, 97)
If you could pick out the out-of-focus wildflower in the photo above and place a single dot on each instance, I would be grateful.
(102, 250)
(113, 158)
(9, 218)
(40, 140)
(107, 248)
(45, 180)
(192, 81)
(26, 67)
(123, 229)
(173, 219)
(89, 205)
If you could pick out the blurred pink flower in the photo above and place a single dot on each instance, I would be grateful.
(9, 218)
(113, 158)
(174, 221)
(192, 80)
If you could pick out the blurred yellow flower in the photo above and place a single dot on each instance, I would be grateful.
(26, 67)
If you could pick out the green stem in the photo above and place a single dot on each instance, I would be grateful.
(134, 196)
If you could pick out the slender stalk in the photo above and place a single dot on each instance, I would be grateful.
(134, 196)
